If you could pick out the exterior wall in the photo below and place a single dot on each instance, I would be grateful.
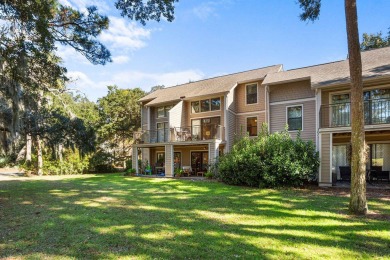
(326, 163)
(278, 119)
(240, 98)
(241, 122)
(232, 129)
(175, 115)
(291, 91)
(144, 117)
(219, 113)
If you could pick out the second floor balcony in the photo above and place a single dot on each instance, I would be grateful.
(376, 111)
(180, 134)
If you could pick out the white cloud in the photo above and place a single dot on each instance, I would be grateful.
(70, 55)
(95, 89)
(209, 9)
(121, 59)
(130, 79)
(123, 34)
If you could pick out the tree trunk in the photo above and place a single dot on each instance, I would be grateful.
(358, 202)
(39, 155)
(28, 148)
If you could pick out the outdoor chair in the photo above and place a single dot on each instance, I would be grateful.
(379, 174)
(345, 173)
(187, 170)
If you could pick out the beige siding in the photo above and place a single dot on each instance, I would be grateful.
(325, 167)
(279, 119)
(240, 98)
(175, 115)
(241, 122)
(291, 91)
(144, 117)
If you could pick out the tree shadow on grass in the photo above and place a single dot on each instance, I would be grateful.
(111, 217)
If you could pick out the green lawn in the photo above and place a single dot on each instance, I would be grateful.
(110, 217)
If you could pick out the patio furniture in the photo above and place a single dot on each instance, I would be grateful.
(187, 170)
(379, 174)
(345, 173)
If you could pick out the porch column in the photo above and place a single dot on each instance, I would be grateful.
(134, 158)
(213, 151)
(325, 171)
(169, 160)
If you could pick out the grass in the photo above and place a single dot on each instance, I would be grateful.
(111, 217)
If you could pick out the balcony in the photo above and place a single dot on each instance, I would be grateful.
(376, 112)
(180, 134)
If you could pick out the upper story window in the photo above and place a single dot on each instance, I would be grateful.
(251, 126)
(251, 94)
(163, 111)
(206, 105)
(294, 118)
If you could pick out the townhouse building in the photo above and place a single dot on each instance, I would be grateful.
(189, 125)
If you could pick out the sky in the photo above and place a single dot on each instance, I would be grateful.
(215, 37)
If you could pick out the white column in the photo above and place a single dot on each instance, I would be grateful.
(213, 151)
(169, 171)
(134, 158)
(386, 157)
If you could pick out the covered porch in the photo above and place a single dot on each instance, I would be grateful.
(335, 154)
(192, 160)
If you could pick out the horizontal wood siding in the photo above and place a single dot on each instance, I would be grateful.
(290, 91)
(278, 119)
(240, 98)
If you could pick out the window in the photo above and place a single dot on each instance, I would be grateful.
(160, 158)
(195, 107)
(160, 112)
(251, 94)
(294, 118)
(162, 132)
(215, 104)
(205, 105)
(166, 110)
(163, 111)
(251, 126)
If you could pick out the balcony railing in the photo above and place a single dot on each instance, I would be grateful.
(180, 134)
(339, 115)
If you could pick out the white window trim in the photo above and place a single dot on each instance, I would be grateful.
(257, 93)
(297, 105)
(257, 123)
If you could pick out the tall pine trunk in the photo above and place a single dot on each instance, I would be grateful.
(358, 202)
(28, 148)
(39, 155)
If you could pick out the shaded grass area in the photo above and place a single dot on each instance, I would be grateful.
(110, 217)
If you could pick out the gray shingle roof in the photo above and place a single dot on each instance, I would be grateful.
(375, 63)
(208, 86)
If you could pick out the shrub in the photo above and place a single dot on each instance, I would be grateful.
(209, 175)
(102, 162)
(269, 160)
(130, 172)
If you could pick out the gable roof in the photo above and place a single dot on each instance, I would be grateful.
(376, 63)
(206, 87)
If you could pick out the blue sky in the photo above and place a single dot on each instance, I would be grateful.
(215, 37)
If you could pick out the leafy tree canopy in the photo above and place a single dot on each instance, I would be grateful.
(374, 41)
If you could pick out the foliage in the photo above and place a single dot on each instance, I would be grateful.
(269, 160)
(130, 172)
(374, 41)
(209, 175)
(119, 117)
(5, 160)
(178, 172)
(102, 162)
(144, 11)
(311, 9)
(72, 163)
